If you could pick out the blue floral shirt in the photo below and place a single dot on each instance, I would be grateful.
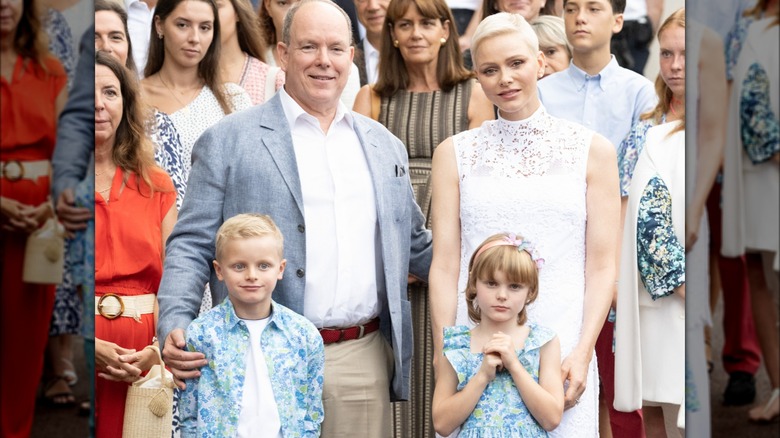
(660, 256)
(294, 353)
(629, 150)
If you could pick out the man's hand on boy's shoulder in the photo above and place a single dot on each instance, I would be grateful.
(183, 364)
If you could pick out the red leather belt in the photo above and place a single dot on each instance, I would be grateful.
(330, 336)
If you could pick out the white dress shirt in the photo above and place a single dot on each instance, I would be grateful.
(372, 62)
(139, 23)
(342, 231)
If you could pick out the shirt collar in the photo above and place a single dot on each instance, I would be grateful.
(233, 320)
(603, 78)
(293, 112)
(129, 3)
(369, 50)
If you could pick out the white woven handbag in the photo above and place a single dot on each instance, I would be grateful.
(149, 404)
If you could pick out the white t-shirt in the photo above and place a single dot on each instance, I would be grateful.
(259, 417)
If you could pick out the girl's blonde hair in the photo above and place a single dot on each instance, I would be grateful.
(517, 265)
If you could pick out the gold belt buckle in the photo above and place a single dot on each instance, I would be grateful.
(15, 175)
(108, 316)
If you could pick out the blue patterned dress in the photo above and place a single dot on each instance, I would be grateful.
(166, 152)
(61, 42)
(500, 411)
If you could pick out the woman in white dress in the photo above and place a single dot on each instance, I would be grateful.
(751, 185)
(555, 180)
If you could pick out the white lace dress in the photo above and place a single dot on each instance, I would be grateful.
(529, 177)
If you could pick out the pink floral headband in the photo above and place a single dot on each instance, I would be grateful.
(512, 240)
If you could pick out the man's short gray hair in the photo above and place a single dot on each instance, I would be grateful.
(288, 19)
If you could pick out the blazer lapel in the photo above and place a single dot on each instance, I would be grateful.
(276, 137)
(372, 151)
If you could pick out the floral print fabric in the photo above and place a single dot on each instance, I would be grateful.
(660, 256)
(293, 348)
(500, 411)
(759, 126)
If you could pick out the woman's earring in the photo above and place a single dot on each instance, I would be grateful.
(395, 43)
(160, 35)
(443, 40)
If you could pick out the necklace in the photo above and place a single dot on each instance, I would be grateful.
(172, 93)
(103, 172)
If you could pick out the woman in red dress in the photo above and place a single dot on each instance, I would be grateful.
(32, 94)
(133, 218)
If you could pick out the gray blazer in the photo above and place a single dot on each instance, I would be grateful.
(246, 163)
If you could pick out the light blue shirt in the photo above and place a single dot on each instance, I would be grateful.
(294, 353)
(609, 103)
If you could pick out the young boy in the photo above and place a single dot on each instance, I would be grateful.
(264, 376)
(599, 94)
(595, 91)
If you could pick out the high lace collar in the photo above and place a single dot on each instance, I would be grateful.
(529, 121)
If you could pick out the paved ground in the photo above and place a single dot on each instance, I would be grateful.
(728, 421)
(65, 422)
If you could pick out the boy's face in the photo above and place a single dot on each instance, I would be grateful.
(590, 24)
(250, 269)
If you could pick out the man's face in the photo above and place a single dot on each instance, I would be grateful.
(590, 24)
(371, 14)
(318, 58)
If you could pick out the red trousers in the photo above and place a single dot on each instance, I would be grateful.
(623, 424)
(741, 351)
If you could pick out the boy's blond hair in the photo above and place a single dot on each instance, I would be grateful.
(244, 226)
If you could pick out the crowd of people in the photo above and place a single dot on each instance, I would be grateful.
(473, 220)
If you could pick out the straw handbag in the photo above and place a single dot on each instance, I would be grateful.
(149, 405)
(44, 254)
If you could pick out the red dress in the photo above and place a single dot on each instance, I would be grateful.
(128, 261)
(28, 120)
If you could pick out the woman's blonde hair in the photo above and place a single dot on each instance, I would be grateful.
(551, 32)
(517, 266)
(677, 18)
(501, 24)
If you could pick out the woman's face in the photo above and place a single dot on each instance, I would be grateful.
(419, 38)
(556, 58)
(277, 9)
(187, 32)
(227, 21)
(672, 59)
(108, 105)
(508, 70)
(10, 15)
(529, 9)
(110, 35)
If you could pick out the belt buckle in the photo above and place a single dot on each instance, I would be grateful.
(13, 176)
(362, 331)
(121, 306)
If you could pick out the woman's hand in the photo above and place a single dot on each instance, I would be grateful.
(13, 218)
(37, 216)
(132, 365)
(574, 369)
(109, 364)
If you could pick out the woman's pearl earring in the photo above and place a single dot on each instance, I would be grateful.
(443, 40)
(395, 43)
(160, 35)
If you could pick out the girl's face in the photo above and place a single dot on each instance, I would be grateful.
(419, 38)
(187, 32)
(556, 58)
(227, 21)
(672, 59)
(499, 299)
(108, 104)
(110, 35)
(277, 9)
(508, 70)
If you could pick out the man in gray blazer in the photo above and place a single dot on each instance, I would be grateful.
(337, 185)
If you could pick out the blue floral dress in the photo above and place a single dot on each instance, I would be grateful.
(61, 42)
(166, 152)
(500, 411)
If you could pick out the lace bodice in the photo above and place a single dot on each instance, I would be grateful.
(529, 177)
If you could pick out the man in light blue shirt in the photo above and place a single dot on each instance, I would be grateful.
(595, 91)
(599, 94)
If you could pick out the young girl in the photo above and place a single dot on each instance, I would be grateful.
(503, 377)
